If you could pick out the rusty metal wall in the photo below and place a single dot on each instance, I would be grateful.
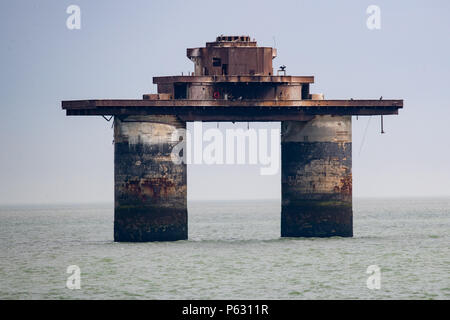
(240, 60)
(316, 177)
(201, 91)
(272, 91)
(289, 92)
(150, 190)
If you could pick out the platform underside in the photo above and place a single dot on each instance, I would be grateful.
(226, 110)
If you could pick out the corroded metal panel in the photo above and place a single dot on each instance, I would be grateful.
(150, 190)
(316, 177)
(234, 55)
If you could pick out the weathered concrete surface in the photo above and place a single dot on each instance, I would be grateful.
(150, 190)
(316, 177)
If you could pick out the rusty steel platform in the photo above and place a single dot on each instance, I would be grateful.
(227, 110)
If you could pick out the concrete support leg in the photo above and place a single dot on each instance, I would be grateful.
(316, 177)
(150, 189)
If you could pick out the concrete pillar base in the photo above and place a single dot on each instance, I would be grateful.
(316, 177)
(150, 189)
(317, 218)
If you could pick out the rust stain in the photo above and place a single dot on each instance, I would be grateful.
(345, 185)
(153, 188)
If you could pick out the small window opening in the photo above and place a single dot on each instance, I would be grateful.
(180, 90)
(217, 62)
(305, 91)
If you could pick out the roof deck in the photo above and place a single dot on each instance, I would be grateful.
(233, 79)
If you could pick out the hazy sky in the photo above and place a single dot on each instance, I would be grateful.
(48, 157)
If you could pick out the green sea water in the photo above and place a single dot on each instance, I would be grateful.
(234, 251)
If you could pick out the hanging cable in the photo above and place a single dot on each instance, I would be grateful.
(364, 136)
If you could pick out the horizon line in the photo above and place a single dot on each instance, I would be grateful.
(56, 203)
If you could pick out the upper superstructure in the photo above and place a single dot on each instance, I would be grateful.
(232, 55)
(232, 67)
(233, 79)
